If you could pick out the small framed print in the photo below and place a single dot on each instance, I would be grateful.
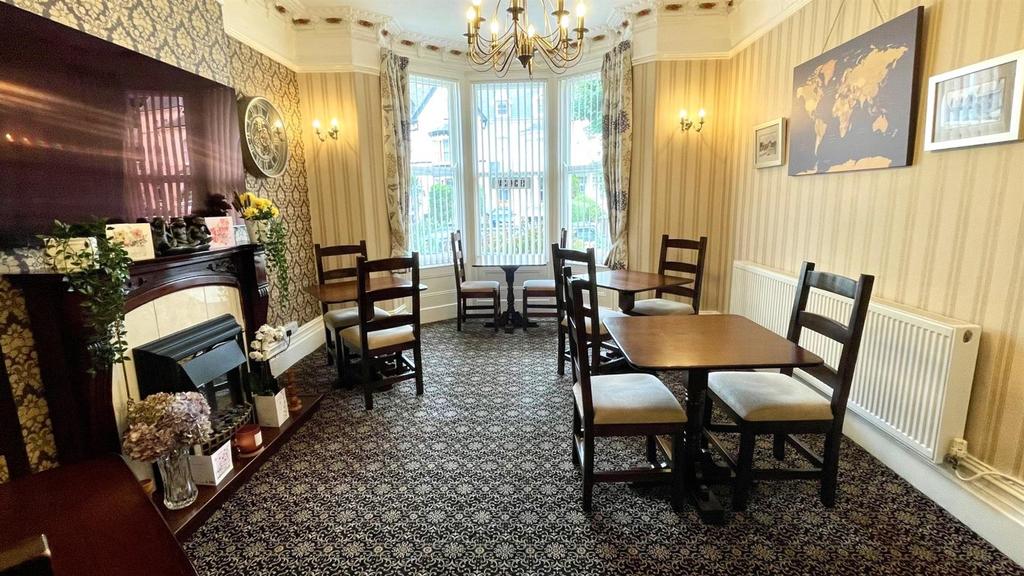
(770, 143)
(241, 235)
(136, 238)
(222, 231)
(976, 104)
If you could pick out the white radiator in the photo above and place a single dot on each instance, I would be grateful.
(916, 369)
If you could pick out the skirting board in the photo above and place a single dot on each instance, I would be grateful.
(993, 509)
(305, 341)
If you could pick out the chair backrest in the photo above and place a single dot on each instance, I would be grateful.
(696, 269)
(848, 336)
(369, 296)
(12, 443)
(563, 238)
(578, 293)
(25, 557)
(458, 260)
(324, 274)
(562, 257)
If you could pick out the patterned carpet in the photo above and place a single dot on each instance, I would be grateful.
(475, 478)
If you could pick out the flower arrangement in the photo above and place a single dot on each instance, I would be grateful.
(263, 219)
(163, 423)
(262, 349)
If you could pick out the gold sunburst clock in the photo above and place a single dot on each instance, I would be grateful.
(264, 141)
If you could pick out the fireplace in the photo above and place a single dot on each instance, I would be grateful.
(208, 358)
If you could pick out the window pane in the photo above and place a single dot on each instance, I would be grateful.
(583, 180)
(435, 189)
(510, 167)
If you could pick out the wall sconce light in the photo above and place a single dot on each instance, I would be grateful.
(685, 123)
(332, 132)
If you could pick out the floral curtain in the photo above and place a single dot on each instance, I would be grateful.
(394, 97)
(617, 80)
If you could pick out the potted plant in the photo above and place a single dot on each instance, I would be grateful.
(265, 226)
(162, 428)
(98, 268)
(269, 397)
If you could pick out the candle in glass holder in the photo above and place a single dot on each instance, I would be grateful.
(248, 438)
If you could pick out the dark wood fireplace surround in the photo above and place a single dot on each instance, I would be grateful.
(80, 402)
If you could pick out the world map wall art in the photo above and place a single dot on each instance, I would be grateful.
(854, 106)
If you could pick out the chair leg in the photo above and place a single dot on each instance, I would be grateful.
(458, 314)
(526, 310)
(744, 472)
(588, 471)
(418, 357)
(575, 431)
(332, 347)
(652, 451)
(678, 471)
(367, 385)
(561, 350)
(497, 306)
(830, 469)
(779, 447)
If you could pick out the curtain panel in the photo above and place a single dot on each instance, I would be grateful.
(617, 80)
(394, 96)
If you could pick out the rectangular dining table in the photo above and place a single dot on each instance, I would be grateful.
(700, 344)
(629, 283)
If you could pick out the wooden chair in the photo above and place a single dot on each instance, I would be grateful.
(542, 288)
(338, 319)
(659, 306)
(618, 405)
(778, 404)
(598, 338)
(381, 340)
(473, 289)
(12, 442)
(28, 557)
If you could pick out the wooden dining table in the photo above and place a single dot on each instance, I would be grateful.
(700, 344)
(629, 283)
(348, 290)
(510, 319)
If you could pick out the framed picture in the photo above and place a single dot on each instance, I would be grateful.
(241, 235)
(137, 239)
(976, 104)
(770, 143)
(222, 231)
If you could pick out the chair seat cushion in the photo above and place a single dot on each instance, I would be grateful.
(539, 284)
(603, 313)
(479, 285)
(378, 338)
(661, 307)
(631, 399)
(769, 397)
(345, 317)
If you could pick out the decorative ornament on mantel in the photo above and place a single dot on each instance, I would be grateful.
(559, 45)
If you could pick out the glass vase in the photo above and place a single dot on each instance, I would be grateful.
(179, 489)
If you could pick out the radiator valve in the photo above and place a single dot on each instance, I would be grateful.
(957, 451)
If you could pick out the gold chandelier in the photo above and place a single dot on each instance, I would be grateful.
(559, 46)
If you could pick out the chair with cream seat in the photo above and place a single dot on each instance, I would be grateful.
(618, 405)
(660, 306)
(598, 340)
(472, 289)
(337, 319)
(381, 340)
(541, 288)
(778, 404)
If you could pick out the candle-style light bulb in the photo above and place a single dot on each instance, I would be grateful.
(581, 9)
(316, 124)
(564, 23)
(476, 2)
(334, 122)
(494, 27)
(531, 31)
(682, 114)
(700, 113)
(470, 14)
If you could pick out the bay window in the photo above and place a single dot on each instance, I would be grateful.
(584, 206)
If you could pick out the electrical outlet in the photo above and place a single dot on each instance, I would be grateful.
(291, 327)
(957, 448)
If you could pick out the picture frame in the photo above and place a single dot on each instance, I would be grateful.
(977, 104)
(770, 143)
(222, 231)
(136, 238)
(241, 235)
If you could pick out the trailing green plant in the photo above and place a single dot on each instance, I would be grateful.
(101, 276)
(271, 233)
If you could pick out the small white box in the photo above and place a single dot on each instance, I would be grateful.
(272, 411)
(210, 469)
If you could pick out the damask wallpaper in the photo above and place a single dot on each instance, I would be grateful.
(257, 75)
(190, 35)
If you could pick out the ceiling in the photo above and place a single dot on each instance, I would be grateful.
(445, 19)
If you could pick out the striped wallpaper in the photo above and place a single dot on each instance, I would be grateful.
(945, 235)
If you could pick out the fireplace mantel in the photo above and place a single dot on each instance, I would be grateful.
(81, 403)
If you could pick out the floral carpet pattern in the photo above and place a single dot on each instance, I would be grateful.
(475, 477)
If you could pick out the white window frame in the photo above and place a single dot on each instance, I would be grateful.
(457, 155)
